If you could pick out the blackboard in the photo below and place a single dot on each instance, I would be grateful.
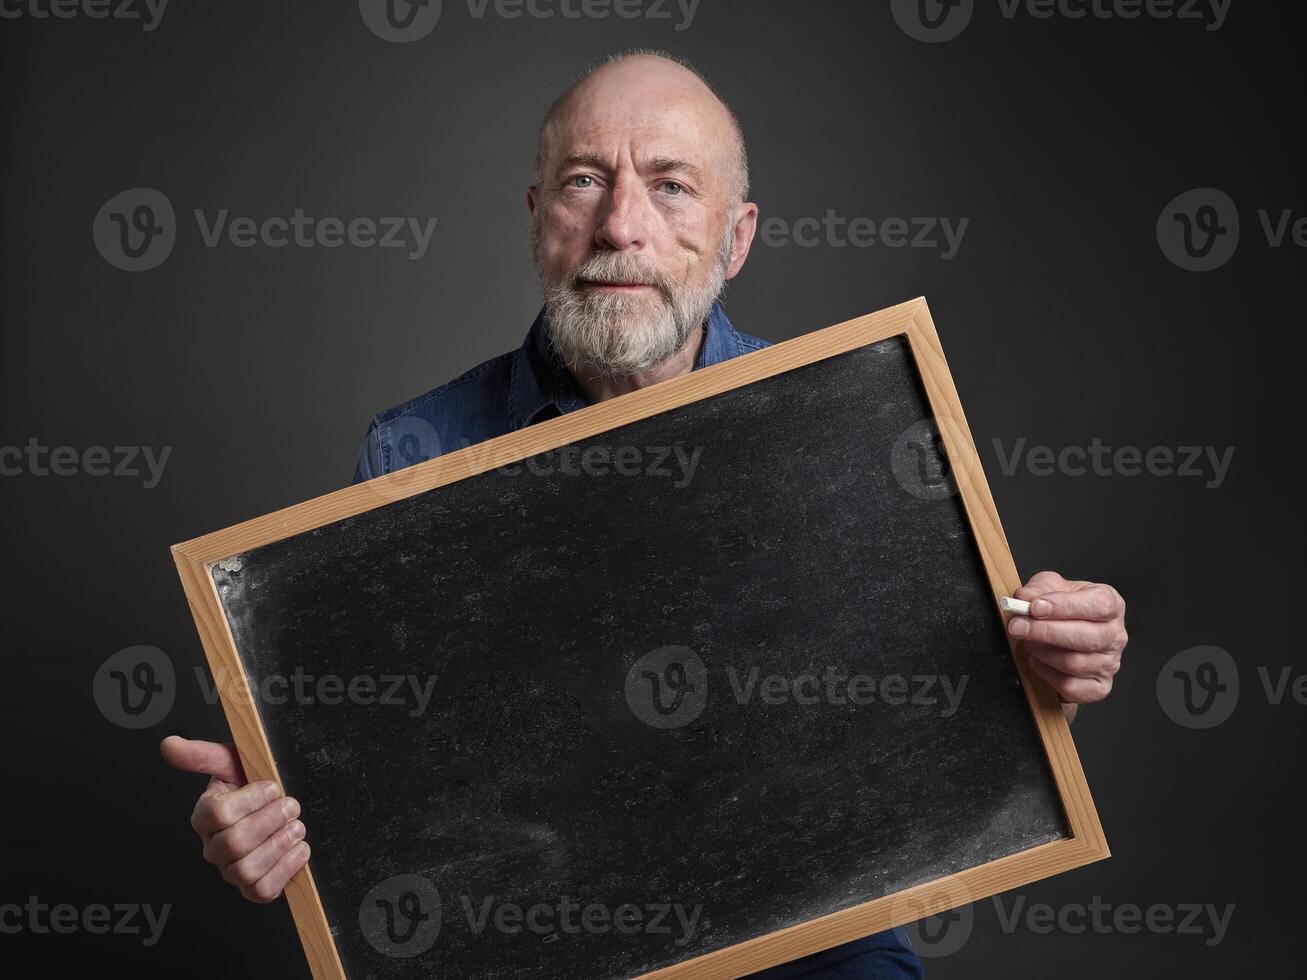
(655, 692)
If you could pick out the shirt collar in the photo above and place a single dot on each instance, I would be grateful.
(541, 386)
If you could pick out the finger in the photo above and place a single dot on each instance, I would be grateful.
(1096, 666)
(1070, 634)
(211, 758)
(247, 870)
(218, 811)
(270, 886)
(1098, 603)
(1040, 583)
(1073, 690)
(246, 834)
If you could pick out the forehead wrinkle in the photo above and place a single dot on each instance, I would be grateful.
(650, 148)
(675, 121)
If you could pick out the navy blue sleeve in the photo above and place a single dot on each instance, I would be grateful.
(883, 956)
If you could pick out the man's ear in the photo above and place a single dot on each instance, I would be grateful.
(532, 199)
(746, 224)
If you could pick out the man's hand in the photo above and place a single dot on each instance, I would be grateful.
(1075, 635)
(250, 833)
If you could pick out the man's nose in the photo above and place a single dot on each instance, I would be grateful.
(624, 223)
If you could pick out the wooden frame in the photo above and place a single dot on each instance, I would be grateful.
(912, 320)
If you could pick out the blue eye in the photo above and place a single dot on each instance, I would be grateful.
(673, 188)
(576, 181)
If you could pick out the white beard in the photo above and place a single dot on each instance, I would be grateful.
(614, 335)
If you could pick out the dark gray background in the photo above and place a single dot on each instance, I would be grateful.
(1062, 140)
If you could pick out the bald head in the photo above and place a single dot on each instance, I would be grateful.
(644, 88)
(638, 217)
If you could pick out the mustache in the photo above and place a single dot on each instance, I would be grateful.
(621, 269)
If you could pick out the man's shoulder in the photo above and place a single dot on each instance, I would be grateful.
(471, 408)
(473, 387)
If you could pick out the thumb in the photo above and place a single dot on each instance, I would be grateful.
(211, 758)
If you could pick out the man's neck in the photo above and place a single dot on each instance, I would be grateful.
(682, 362)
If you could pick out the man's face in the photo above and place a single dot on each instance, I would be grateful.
(635, 227)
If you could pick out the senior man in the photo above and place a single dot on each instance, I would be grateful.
(638, 219)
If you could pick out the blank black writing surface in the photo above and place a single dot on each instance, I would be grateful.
(740, 669)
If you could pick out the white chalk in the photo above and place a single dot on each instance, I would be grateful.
(1018, 606)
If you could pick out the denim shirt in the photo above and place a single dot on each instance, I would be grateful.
(530, 385)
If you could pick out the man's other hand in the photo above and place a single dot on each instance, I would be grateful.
(1075, 635)
(250, 832)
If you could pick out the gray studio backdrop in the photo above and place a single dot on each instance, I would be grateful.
(1099, 201)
